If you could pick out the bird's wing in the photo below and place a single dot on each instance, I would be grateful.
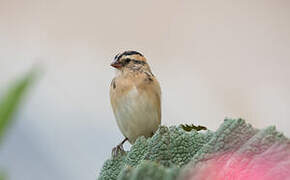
(148, 84)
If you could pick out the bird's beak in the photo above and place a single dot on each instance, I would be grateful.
(116, 64)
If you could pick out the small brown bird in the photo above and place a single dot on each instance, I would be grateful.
(135, 97)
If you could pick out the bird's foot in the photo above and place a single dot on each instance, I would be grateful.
(118, 150)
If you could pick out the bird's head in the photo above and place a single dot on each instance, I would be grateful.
(130, 60)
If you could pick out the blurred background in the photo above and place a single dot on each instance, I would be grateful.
(214, 59)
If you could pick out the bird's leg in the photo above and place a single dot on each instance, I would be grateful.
(119, 148)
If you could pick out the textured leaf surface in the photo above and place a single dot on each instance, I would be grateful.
(175, 153)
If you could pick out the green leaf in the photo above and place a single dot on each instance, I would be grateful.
(3, 176)
(10, 101)
(187, 127)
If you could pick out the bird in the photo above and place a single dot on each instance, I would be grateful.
(135, 96)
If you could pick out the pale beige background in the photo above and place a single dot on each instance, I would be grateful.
(213, 59)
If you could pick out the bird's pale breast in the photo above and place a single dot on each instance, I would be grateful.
(137, 112)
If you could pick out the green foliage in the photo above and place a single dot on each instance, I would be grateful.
(148, 169)
(165, 152)
(11, 101)
(173, 152)
(2, 175)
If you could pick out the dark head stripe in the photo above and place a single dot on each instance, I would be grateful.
(116, 56)
(127, 53)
